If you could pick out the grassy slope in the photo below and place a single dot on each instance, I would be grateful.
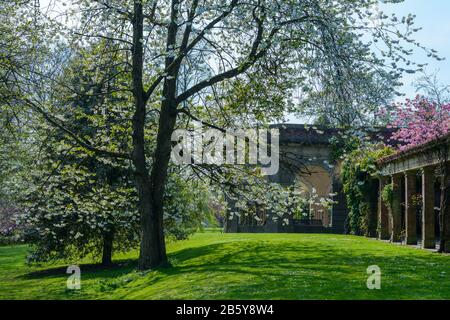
(245, 266)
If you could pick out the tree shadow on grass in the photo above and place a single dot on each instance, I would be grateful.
(286, 267)
(260, 269)
(254, 258)
(88, 270)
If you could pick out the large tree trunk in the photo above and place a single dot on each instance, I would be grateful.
(166, 125)
(151, 188)
(158, 179)
(108, 238)
(152, 250)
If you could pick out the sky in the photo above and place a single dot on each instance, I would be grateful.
(434, 17)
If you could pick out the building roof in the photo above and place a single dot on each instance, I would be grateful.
(424, 147)
(312, 134)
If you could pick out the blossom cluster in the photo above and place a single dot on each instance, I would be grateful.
(419, 121)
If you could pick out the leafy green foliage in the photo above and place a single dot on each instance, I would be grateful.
(78, 206)
(71, 213)
(387, 194)
(341, 146)
(77, 201)
(358, 171)
(187, 207)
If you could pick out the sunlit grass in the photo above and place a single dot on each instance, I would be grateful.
(213, 265)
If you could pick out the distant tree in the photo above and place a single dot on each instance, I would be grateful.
(430, 86)
(9, 229)
(187, 207)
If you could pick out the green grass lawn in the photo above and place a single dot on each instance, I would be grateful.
(244, 266)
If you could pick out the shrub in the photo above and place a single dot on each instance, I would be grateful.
(9, 230)
(188, 207)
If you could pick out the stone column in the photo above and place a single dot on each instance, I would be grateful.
(410, 208)
(428, 231)
(396, 210)
(445, 210)
(383, 212)
(372, 200)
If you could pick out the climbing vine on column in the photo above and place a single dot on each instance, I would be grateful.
(360, 184)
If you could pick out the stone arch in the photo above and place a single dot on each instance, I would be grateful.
(320, 179)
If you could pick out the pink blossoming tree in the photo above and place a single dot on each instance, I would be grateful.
(419, 121)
